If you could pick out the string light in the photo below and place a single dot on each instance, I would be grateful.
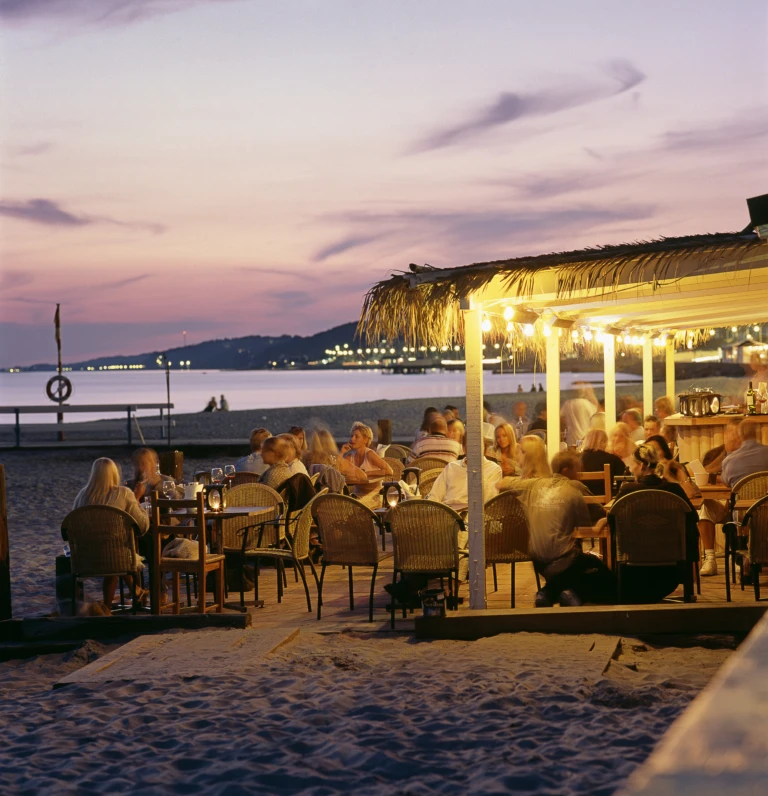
(508, 313)
(627, 339)
(546, 330)
(486, 326)
(528, 330)
(575, 334)
(510, 326)
(588, 334)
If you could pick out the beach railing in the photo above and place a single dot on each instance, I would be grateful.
(129, 409)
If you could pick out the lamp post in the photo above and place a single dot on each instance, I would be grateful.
(168, 394)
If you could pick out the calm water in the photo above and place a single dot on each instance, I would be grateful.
(253, 389)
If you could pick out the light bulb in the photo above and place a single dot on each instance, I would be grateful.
(528, 330)
(486, 326)
(575, 334)
(510, 326)
(588, 335)
(508, 313)
(627, 339)
(547, 330)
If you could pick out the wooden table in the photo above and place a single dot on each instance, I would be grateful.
(604, 535)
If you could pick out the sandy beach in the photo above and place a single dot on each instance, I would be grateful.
(373, 712)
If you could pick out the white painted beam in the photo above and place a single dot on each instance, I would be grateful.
(609, 377)
(552, 367)
(670, 370)
(648, 376)
(475, 453)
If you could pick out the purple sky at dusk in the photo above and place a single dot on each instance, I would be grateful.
(235, 167)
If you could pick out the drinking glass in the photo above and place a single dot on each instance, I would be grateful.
(169, 489)
(217, 475)
(229, 471)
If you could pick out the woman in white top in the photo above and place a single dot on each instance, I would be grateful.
(369, 468)
(293, 460)
(104, 489)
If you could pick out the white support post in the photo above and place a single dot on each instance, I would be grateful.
(473, 345)
(670, 362)
(552, 367)
(609, 377)
(648, 376)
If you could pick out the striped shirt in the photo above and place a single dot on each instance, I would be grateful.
(437, 446)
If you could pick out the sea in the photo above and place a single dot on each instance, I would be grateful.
(257, 389)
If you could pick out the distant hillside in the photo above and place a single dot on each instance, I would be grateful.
(238, 353)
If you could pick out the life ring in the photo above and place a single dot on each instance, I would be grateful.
(58, 389)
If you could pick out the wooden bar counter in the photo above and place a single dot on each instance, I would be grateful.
(697, 435)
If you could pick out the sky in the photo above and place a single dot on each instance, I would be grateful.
(238, 167)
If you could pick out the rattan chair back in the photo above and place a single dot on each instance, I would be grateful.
(253, 495)
(397, 467)
(425, 536)
(649, 527)
(506, 530)
(400, 452)
(302, 525)
(245, 478)
(751, 487)
(757, 519)
(428, 478)
(101, 541)
(347, 530)
(425, 463)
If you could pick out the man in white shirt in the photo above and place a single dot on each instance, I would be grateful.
(634, 420)
(253, 463)
(576, 415)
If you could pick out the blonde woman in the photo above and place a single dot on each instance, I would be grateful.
(322, 449)
(369, 468)
(532, 457)
(294, 451)
(104, 489)
(594, 454)
(620, 442)
(505, 449)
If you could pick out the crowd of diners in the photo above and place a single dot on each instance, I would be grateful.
(515, 459)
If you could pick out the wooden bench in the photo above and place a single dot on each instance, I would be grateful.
(56, 409)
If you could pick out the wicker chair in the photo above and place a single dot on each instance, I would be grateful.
(751, 487)
(425, 538)
(245, 478)
(428, 478)
(102, 544)
(397, 467)
(296, 552)
(506, 536)
(270, 522)
(200, 567)
(348, 531)
(757, 520)
(425, 463)
(649, 530)
(399, 452)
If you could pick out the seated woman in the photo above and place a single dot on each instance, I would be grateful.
(301, 437)
(293, 457)
(554, 509)
(594, 455)
(363, 468)
(505, 449)
(654, 583)
(670, 470)
(147, 477)
(104, 489)
(322, 449)
(456, 431)
(274, 453)
(620, 442)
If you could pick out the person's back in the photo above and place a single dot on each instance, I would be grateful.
(436, 444)
(592, 461)
(751, 457)
(577, 412)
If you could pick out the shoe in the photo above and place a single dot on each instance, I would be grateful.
(569, 598)
(541, 600)
(709, 566)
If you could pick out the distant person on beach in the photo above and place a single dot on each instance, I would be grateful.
(293, 458)
(436, 444)
(253, 463)
(520, 388)
(554, 509)
(223, 405)
(211, 405)
(104, 489)
(430, 413)
(370, 468)
(274, 452)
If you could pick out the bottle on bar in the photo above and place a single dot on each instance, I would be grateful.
(750, 400)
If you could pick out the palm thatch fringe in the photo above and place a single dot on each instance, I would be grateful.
(422, 306)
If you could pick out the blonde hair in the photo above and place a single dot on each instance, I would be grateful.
(596, 440)
(321, 448)
(142, 457)
(105, 476)
(258, 435)
(366, 431)
(620, 434)
(277, 445)
(534, 457)
(291, 441)
(510, 436)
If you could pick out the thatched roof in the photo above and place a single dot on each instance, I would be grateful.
(423, 305)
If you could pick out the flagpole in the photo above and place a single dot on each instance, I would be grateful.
(57, 323)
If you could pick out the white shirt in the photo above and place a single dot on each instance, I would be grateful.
(577, 413)
(450, 487)
(253, 463)
(297, 466)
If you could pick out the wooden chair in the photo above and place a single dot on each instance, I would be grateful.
(425, 463)
(245, 478)
(425, 538)
(428, 478)
(650, 530)
(599, 483)
(757, 520)
(172, 463)
(751, 487)
(397, 468)
(348, 532)
(102, 543)
(200, 567)
(506, 537)
(296, 552)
